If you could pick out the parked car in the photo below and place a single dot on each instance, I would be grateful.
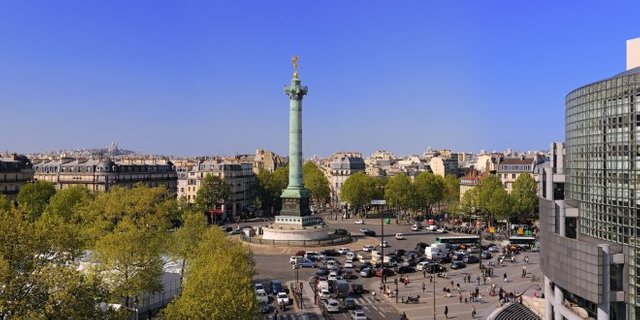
(473, 250)
(420, 246)
(258, 286)
(494, 249)
(348, 264)
(405, 269)
(445, 259)
(349, 275)
(363, 230)
(457, 265)
(350, 303)
(366, 273)
(458, 257)
(283, 299)
(332, 305)
(368, 248)
(442, 230)
(384, 244)
(435, 268)
(358, 315)
(276, 286)
(357, 288)
(486, 255)
(432, 227)
(330, 253)
(359, 221)
(265, 308)
(386, 271)
(324, 294)
(421, 266)
(261, 296)
(321, 272)
(415, 227)
(343, 250)
(399, 236)
(306, 263)
(400, 252)
(350, 256)
(313, 256)
(470, 259)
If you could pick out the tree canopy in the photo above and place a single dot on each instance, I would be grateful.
(33, 198)
(399, 191)
(429, 190)
(524, 194)
(213, 192)
(358, 189)
(316, 182)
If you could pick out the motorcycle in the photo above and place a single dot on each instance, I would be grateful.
(411, 299)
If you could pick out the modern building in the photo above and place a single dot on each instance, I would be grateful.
(103, 174)
(15, 171)
(589, 232)
(341, 167)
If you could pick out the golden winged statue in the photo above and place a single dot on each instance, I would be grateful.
(294, 62)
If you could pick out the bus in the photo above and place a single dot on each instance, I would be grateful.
(529, 242)
(460, 240)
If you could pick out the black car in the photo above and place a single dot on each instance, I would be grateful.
(330, 253)
(446, 259)
(349, 275)
(486, 255)
(322, 271)
(420, 246)
(350, 304)
(386, 271)
(470, 259)
(400, 252)
(370, 233)
(457, 265)
(265, 308)
(357, 288)
(435, 268)
(457, 257)
(405, 269)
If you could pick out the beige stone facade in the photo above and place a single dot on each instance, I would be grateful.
(102, 174)
(15, 171)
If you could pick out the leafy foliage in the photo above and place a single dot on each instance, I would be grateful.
(316, 182)
(213, 191)
(270, 186)
(358, 189)
(218, 282)
(429, 190)
(33, 198)
(399, 191)
(524, 194)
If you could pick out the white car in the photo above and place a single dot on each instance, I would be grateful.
(333, 275)
(368, 248)
(332, 305)
(363, 230)
(494, 249)
(261, 296)
(358, 315)
(384, 244)
(348, 264)
(432, 227)
(421, 265)
(343, 250)
(295, 259)
(258, 286)
(350, 256)
(399, 236)
(415, 227)
(359, 221)
(283, 298)
(325, 294)
(441, 230)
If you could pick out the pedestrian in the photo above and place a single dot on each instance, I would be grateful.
(373, 293)
(458, 285)
(524, 271)
(460, 297)
(504, 276)
(473, 312)
(430, 278)
(424, 286)
(446, 312)
(478, 279)
(424, 273)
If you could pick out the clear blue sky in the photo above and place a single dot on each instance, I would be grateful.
(196, 78)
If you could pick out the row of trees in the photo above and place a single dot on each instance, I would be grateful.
(490, 200)
(421, 194)
(271, 184)
(118, 240)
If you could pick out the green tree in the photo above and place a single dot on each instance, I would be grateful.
(470, 204)
(218, 282)
(493, 199)
(452, 192)
(316, 182)
(357, 190)
(5, 203)
(212, 193)
(34, 197)
(429, 190)
(185, 239)
(524, 194)
(400, 192)
(269, 188)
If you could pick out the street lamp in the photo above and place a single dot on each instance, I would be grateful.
(396, 282)
(382, 247)
(297, 287)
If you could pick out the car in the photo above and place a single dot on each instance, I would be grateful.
(535, 249)
(363, 230)
(261, 296)
(324, 294)
(341, 232)
(405, 269)
(458, 257)
(457, 265)
(306, 263)
(370, 233)
(330, 253)
(435, 268)
(283, 299)
(445, 259)
(368, 248)
(343, 250)
(400, 252)
(357, 288)
(348, 264)
(473, 250)
(322, 271)
(313, 256)
(494, 249)
(432, 227)
(399, 236)
(258, 286)
(470, 259)
(421, 266)
(420, 246)
(332, 305)
(358, 315)
(386, 271)
(384, 244)
(333, 276)
(350, 256)
(236, 231)
(486, 255)
(349, 275)
(276, 286)
(350, 303)
(366, 272)
(265, 308)
(442, 230)
(226, 229)
(415, 227)
(295, 259)
(359, 221)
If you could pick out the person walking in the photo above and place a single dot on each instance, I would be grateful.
(504, 277)
(424, 286)
(460, 297)
(446, 312)
(524, 271)
(430, 278)
(478, 279)
(473, 312)
(424, 273)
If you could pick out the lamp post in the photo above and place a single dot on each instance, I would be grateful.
(396, 282)
(297, 287)
(382, 247)
(434, 291)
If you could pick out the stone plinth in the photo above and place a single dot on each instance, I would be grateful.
(295, 230)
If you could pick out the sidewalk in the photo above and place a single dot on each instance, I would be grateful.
(308, 304)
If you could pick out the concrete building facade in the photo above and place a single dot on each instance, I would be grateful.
(341, 167)
(589, 232)
(509, 169)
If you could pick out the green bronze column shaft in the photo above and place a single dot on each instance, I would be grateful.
(295, 93)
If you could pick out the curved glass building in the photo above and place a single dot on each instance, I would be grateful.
(590, 247)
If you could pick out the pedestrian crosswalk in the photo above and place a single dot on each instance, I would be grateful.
(293, 316)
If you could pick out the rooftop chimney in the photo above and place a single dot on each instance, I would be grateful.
(633, 53)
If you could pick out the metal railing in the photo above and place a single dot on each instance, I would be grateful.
(333, 240)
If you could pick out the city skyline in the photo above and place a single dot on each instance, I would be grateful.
(203, 78)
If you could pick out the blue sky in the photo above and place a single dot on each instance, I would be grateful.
(202, 78)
